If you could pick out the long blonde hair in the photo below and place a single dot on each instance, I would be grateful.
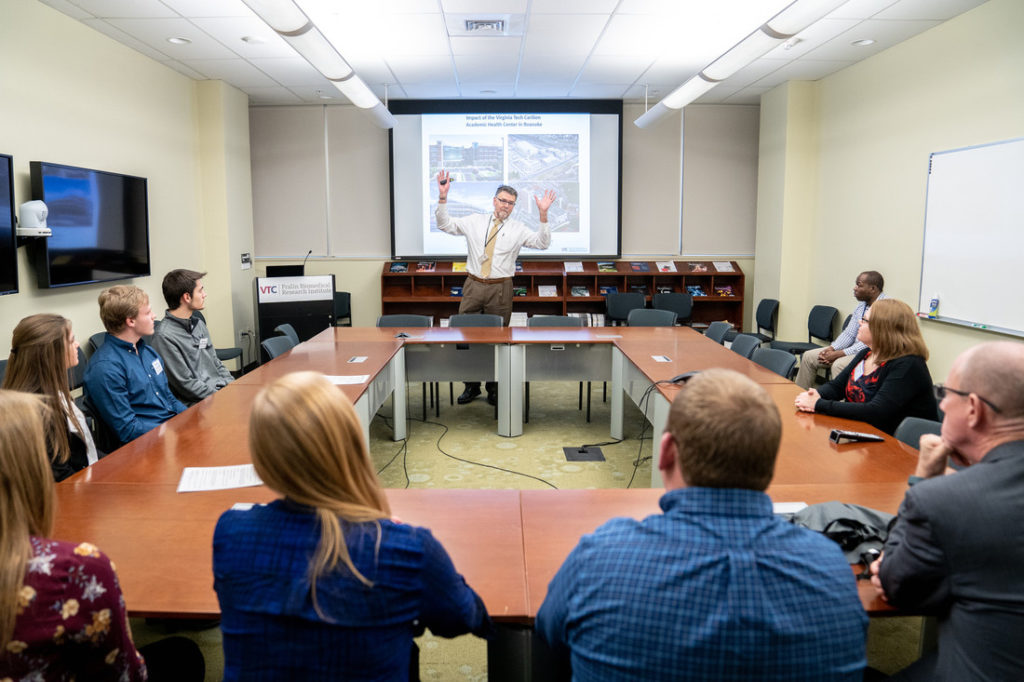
(26, 496)
(38, 364)
(307, 444)
(895, 331)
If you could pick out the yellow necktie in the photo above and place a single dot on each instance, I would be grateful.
(485, 268)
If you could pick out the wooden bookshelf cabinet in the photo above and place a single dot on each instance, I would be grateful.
(435, 292)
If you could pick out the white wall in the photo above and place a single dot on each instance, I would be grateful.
(71, 95)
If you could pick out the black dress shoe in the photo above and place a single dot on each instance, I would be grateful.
(468, 396)
(492, 398)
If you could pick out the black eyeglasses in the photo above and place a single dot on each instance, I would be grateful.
(506, 201)
(941, 390)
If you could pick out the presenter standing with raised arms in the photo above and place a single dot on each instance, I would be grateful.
(493, 242)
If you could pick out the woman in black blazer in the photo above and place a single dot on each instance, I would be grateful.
(888, 380)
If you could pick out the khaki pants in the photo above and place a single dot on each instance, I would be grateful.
(809, 366)
(489, 299)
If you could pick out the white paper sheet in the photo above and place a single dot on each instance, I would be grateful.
(196, 479)
(788, 507)
(346, 379)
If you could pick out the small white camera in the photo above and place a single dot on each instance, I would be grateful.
(33, 220)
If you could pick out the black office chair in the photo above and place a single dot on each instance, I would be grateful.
(76, 374)
(103, 436)
(473, 320)
(223, 354)
(289, 331)
(554, 321)
(342, 309)
(618, 305)
(3, 371)
(765, 317)
(403, 320)
(716, 331)
(820, 323)
(680, 304)
(95, 341)
(275, 346)
(745, 345)
(778, 361)
(648, 317)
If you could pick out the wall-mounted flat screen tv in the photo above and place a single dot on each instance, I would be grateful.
(8, 239)
(100, 225)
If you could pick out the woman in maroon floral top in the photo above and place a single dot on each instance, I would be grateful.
(62, 615)
(887, 381)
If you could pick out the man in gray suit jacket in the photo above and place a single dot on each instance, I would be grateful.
(956, 550)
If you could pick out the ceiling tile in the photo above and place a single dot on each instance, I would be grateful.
(120, 36)
(66, 7)
(885, 33)
(938, 10)
(259, 96)
(238, 72)
(802, 70)
(422, 69)
(490, 47)
(486, 69)
(294, 71)
(812, 37)
(210, 8)
(558, 34)
(860, 9)
(573, 6)
(595, 91)
(487, 90)
(431, 91)
(184, 70)
(536, 90)
(155, 32)
(635, 35)
(106, 9)
(604, 69)
(547, 70)
(230, 31)
(484, 6)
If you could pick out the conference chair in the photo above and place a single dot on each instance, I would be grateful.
(648, 317)
(618, 305)
(716, 331)
(409, 320)
(342, 309)
(289, 331)
(820, 324)
(95, 341)
(778, 361)
(76, 374)
(223, 354)
(554, 321)
(765, 317)
(275, 346)
(103, 436)
(473, 320)
(3, 370)
(680, 304)
(745, 345)
(911, 429)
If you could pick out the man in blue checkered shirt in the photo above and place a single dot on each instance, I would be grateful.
(716, 587)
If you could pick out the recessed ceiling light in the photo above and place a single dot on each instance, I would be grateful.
(863, 42)
(254, 40)
(178, 40)
(488, 92)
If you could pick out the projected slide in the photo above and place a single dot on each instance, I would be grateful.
(532, 152)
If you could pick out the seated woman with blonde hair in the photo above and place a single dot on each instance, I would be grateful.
(43, 349)
(885, 382)
(62, 615)
(322, 584)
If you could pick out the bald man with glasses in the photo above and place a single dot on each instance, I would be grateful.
(493, 241)
(956, 550)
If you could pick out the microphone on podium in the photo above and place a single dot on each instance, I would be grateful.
(304, 261)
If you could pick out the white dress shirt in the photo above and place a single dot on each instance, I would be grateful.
(512, 236)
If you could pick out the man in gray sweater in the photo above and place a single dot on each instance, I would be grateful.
(193, 369)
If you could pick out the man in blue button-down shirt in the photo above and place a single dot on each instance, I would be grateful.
(125, 379)
(716, 587)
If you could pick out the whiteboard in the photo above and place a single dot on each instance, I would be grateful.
(973, 254)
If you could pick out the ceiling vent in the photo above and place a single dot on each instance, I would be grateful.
(485, 25)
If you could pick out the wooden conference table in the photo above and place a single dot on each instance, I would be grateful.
(507, 543)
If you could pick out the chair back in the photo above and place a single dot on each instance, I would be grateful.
(76, 374)
(745, 345)
(846, 321)
(820, 323)
(680, 304)
(716, 331)
(554, 321)
(3, 371)
(778, 361)
(95, 341)
(911, 429)
(342, 309)
(476, 320)
(276, 345)
(103, 435)
(199, 314)
(289, 331)
(400, 320)
(648, 317)
(767, 312)
(618, 305)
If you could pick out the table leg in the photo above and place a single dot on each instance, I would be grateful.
(618, 360)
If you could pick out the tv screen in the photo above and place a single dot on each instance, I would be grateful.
(8, 239)
(100, 225)
(571, 147)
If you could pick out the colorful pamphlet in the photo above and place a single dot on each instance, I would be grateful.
(606, 266)
(665, 266)
(399, 267)
(459, 266)
(639, 266)
(426, 266)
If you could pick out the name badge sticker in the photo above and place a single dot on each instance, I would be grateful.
(157, 367)
(203, 343)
